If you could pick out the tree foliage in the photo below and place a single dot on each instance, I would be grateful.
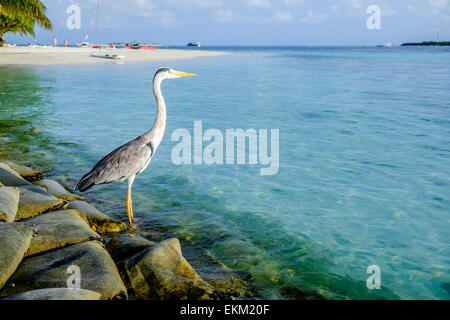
(21, 16)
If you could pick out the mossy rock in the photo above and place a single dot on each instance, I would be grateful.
(50, 270)
(10, 178)
(27, 173)
(58, 229)
(14, 242)
(161, 272)
(9, 202)
(57, 190)
(126, 245)
(56, 294)
(99, 221)
(35, 201)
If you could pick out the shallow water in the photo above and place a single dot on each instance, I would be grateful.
(364, 159)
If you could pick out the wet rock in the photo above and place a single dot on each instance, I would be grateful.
(58, 229)
(11, 178)
(97, 271)
(27, 173)
(291, 292)
(99, 221)
(56, 294)
(161, 272)
(1, 185)
(56, 189)
(126, 245)
(34, 201)
(9, 201)
(14, 241)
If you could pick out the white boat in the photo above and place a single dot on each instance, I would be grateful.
(193, 44)
(106, 55)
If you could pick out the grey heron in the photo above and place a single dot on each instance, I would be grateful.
(130, 159)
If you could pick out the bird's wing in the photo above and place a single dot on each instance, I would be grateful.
(125, 161)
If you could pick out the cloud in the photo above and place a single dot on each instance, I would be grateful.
(259, 3)
(282, 16)
(314, 18)
(355, 3)
(225, 15)
(438, 3)
(334, 8)
(294, 3)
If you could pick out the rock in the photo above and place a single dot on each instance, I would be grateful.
(25, 172)
(99, 221)
(56, 294)
(161, 272)
(11, 178)
(291, 292)
(14, 241)
(50, 270)
(34, 201)
(1, 185)
(56, 189)
(58, 229)
(126, 245)
(9, 201)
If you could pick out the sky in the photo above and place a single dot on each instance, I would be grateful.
(247, 22)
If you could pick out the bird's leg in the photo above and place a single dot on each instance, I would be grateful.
(129, 205)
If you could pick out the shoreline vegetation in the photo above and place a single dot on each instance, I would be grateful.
(54, 245)
(71, 55)
(427, 43)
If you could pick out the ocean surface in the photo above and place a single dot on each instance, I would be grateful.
(364, 143)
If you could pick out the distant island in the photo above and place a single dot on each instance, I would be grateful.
(428, 43)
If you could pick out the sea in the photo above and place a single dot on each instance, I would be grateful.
(359, 207)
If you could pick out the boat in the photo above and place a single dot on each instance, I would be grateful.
(106, 55)
(385, 45)
(193, 44)
(137, 46)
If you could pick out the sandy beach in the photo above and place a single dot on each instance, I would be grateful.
(59, 55)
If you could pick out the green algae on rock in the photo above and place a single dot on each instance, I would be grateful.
(56, 294)
(50, 270)
(14, 242)
(58, 229)
(98, 220)
(34, 201)
(11, 178)
(9, 202)
(56, 189)
(27, 173)
(126, 245)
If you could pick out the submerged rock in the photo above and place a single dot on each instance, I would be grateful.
(50, 270)
(34, 201)
(14, 241)
(161, 272)
(56, 189)
(126, 245)
(9, 202)
(56, 294)
(58, 229)
(27, 173)
(10, 178)
(99, 221)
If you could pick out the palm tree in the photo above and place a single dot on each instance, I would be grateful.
(20, 16)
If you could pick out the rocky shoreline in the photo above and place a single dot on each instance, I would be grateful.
(55, 245)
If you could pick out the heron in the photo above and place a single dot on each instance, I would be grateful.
(132, 158)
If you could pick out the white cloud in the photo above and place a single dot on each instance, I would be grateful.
(334, 8)
(314, 18)
(282, 16)
(224, 15)
(355, 3)
(438, 3)
(294, 3)
(259, 3)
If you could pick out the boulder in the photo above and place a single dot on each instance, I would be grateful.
(34, 201)
(14, 241)
(161, 272)
(56, 294)
(99, 221)
(1, 184)
(25, 172)
(57, 269)
(58, 229)
(9, 201)
(10, 178)
(57, 190)
(126, 245)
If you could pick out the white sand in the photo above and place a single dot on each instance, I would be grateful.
(49, 56)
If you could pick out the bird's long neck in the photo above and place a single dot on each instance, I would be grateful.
(157, 131)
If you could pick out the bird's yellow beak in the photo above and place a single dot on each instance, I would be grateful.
(183, 74)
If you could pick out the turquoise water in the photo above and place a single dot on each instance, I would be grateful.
(364, 159)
